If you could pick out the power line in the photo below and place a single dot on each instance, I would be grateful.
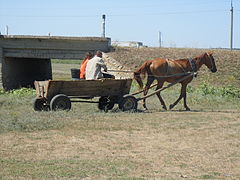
(113, 15)
(176, 4)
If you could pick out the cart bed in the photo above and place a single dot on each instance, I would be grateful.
(84, 88)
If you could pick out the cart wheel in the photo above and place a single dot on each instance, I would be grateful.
(39, 104)
(128, 103)
(105, 103)
(60, 102)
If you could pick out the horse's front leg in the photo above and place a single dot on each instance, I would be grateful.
(149, 82)
(182, 95)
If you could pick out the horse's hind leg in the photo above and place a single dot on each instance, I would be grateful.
(185, 100)
(149, 82)
(160, 84)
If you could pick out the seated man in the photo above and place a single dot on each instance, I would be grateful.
(87, 57)
(94, 66)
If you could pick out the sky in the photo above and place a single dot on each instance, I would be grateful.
(182, 23)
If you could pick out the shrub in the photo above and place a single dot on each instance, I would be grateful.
(206, 89)
(19, 92)
(2, 91)
(229, 91)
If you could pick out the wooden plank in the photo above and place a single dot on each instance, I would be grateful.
(92, 92)
(36, 84)
(94, 88)
(41, 88)
(127, 87)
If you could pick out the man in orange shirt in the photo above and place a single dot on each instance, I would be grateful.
(87, 57)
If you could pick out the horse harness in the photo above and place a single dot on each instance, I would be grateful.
(193, 66)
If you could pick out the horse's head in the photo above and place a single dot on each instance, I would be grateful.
(209, 61)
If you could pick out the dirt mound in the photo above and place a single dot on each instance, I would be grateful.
(116, 68)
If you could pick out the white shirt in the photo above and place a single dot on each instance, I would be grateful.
(93, 69)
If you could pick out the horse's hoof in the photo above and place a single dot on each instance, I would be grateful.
(171, 106)
(145, 107)
(165, 108)
(188, 109)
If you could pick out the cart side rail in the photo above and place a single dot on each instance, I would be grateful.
(94, 88)
(103, 87)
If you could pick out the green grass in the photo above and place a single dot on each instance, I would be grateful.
(66, 61)
(17, 111)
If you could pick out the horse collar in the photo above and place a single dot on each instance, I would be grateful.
(193, 65)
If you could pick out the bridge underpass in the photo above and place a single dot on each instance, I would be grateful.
(24, 59)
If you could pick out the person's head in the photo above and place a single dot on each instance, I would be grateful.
(88, 55)
(99, 54)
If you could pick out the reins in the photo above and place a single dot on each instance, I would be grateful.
(173, 75)
(167, 76)
(126, 71)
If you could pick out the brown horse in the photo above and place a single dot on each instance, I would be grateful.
(171, 71)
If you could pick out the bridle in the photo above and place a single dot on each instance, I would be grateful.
(211, 60)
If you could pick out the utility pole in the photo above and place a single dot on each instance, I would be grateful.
(231, 35)
(160, 39)
(7, 30)
(103, 25)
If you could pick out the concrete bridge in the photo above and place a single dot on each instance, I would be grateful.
(25, 59)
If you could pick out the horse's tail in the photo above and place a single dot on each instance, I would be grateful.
(142, 70)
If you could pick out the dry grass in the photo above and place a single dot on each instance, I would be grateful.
(85, 143)
(160, 145)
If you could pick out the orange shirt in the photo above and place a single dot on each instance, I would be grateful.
(83, 68)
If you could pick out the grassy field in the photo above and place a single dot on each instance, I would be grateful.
(86, 143)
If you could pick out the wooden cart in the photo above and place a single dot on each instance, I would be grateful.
(59, 94)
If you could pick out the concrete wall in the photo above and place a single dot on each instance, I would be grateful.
(1, 57)
(27, 58)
